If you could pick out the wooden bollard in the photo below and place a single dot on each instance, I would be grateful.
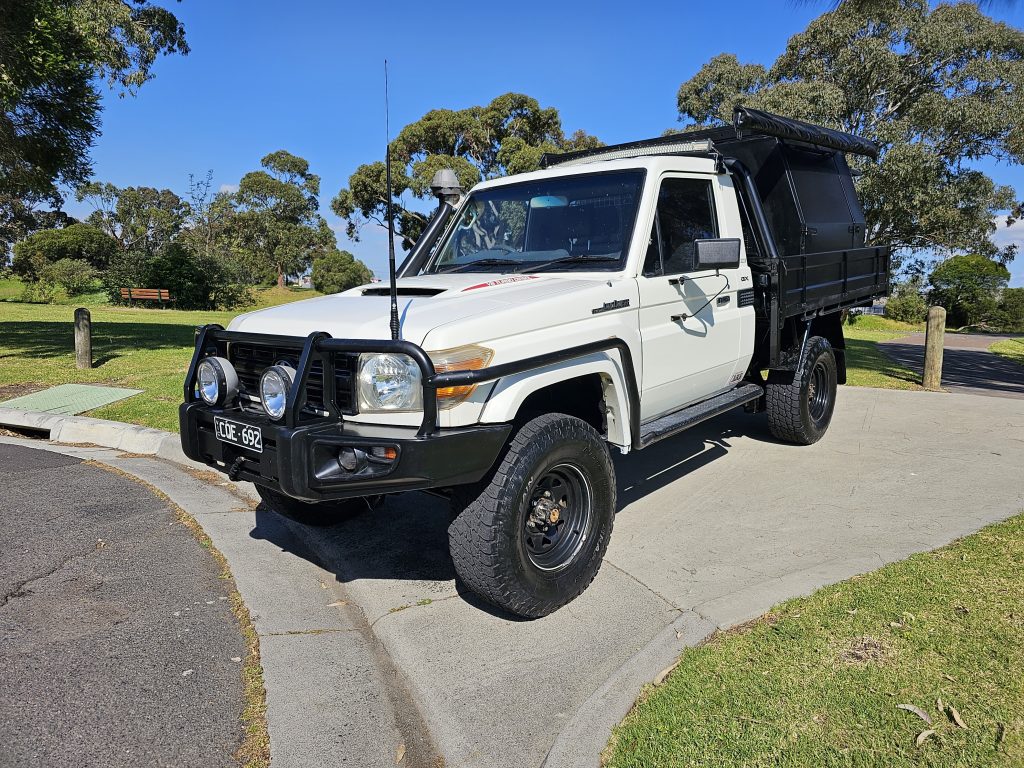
(933, 341)
(83, 338)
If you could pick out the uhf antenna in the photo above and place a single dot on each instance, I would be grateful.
(391, 218)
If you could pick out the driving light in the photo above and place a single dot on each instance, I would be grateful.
(389, 383)
(275, 384)
(468, 358)
(216, 381)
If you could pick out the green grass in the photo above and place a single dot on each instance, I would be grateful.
(1011, 349)
(147, 349)
(866, 364)
(10, 289)
(816, 682)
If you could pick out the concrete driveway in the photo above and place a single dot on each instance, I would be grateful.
(967, 365)
(714, 527)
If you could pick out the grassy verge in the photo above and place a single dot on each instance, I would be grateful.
(147, 349)
(1011, 349)
(819, 680)
(866, 364)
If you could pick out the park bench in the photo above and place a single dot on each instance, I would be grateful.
(146, 294)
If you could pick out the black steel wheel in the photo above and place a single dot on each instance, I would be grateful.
(800, 403)
(318, 515)
(530, 538)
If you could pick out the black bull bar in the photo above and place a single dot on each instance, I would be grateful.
(321, 344)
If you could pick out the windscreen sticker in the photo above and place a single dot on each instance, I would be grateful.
(502, 281)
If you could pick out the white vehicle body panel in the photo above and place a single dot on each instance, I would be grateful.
(521, 315)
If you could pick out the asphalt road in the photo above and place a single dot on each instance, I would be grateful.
(116, 636)
(967, 365)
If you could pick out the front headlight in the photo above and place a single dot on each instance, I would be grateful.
(468, 358)
(389, 383)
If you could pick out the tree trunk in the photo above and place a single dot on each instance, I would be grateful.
(280, 278)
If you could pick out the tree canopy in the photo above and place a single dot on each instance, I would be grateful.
(968, 286)
(509, 135)
(81, 243)
(53, 56)
(278, 227)
(937, 89)
(338, 271)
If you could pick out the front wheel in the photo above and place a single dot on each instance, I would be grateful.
(531, 537)
(320, 514)
(800, 404)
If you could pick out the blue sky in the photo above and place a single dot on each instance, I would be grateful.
(308, 77)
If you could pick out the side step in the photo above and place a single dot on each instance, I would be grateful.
(674, 423)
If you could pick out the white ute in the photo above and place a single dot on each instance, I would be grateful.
(611, 300)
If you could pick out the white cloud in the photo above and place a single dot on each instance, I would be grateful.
(230, 188)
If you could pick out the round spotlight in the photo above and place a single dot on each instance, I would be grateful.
(216, 381)
(275, 384)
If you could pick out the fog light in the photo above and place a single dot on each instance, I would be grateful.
(275, 383)
(351, 459)
(216, 381)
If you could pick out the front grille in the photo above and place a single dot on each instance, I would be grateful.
(250, 360)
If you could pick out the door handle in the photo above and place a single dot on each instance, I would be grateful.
(723, 300)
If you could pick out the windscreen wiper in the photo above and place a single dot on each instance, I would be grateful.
(580, 258)
(489, 262)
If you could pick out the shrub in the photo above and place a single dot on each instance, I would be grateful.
(79, 242)
(194, 281)
(73, 275)
(41, 292)
(907, 304)
(338, 271)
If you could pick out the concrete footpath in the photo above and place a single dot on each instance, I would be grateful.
(369, 644)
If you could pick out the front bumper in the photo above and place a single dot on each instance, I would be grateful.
(302, 461)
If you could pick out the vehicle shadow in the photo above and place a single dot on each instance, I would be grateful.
(406, 539)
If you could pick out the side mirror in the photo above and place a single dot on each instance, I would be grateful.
(718, 253)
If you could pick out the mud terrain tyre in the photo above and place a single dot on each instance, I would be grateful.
(532, 535)
(800, 403)
(319, 515)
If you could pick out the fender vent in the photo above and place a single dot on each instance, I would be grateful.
(745, 298)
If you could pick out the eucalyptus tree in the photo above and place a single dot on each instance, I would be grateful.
(508, 135)
(938, 88)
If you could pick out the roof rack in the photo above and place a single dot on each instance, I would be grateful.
(747, 123)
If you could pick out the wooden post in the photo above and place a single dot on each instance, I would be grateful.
(83, 338)
(933, 341)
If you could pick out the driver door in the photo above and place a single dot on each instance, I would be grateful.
(686, 359)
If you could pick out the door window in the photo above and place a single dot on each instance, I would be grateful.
(686, 212)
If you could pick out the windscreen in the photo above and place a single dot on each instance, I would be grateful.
(558, 224)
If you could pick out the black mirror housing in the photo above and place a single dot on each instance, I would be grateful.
(717, 253)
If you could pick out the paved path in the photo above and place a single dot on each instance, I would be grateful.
(116, 637)
(714, 527)
(967, 365)
(368, 643)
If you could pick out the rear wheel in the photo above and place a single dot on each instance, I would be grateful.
(320, 514)
(800, 404)
(531, 537)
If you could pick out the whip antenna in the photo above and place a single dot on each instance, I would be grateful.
(390, 212)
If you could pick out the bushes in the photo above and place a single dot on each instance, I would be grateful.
(194, 281)
(79, 242)
(338, 271)
(907, 304)
(58, 281)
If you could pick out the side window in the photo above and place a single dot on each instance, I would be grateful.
(686, 212)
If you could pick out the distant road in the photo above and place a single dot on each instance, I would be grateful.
(967, 365)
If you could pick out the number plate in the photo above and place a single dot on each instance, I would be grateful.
(236, 433)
